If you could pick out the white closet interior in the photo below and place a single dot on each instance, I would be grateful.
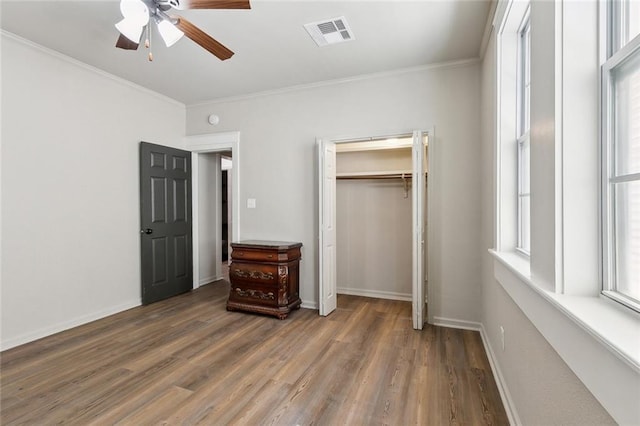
(373, 218)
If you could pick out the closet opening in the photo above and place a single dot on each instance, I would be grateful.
(373, 218)
(373, 197)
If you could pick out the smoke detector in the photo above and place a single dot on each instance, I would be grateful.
(331, 31)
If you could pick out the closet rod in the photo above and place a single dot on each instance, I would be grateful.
(372, 176)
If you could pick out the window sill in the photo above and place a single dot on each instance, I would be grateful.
(597, 338)
(613, 325)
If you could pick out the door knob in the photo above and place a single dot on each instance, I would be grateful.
(147, 231)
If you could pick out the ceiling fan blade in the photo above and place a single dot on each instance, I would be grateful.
(124, 43)
(215, 4)
(203, 39)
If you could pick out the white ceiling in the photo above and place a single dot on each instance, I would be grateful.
(272, 48)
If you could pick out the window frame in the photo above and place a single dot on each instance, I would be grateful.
(618, 52)
(523, 99)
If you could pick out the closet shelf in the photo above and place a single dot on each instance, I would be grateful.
(391, 174)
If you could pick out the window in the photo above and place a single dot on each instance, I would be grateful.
(621, 154)
(523, 169)
(512, 142)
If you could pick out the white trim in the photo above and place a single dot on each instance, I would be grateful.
(509, 19)
(603, 334)
(558, 182)
(505, 395)
(625, 178)
(378, 294)
(605, 154)
(431, 231)
(90, 68)
(205, 143)
(619, 297)
(497, 157)
(501, 12)
(308, 304)
(418, 218)
(456, 323)
(609, 178)
(209, 280)
(362, 77)
(66, 325)
(623, 349)
(195, 221)
(211, 142)
(488, 29)
(623, 53)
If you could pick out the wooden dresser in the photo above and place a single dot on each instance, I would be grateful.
(265, 277)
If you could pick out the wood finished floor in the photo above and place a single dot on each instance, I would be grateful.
(188, 361)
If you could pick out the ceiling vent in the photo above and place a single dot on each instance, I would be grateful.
(332, 31)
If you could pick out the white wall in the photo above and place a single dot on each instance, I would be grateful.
(373, 238)
(541, 386)
(70, 220)
(278, 163)
(209, 220)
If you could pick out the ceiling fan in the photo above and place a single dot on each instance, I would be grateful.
(138, 15)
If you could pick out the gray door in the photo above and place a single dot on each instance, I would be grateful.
(165, 222)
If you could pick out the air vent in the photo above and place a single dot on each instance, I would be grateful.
(332, 31)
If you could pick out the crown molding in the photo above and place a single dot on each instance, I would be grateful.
(90, 68)
(335, 82)
(488, 28)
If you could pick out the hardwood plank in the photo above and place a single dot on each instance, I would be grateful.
(152, 411)
(187, 360)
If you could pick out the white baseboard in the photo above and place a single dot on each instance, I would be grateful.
(508, 403)
(307, 304)
(374, 293)
(66, 325)
(209, 280)
(455, 323)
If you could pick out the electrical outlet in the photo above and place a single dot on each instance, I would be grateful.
(251, 203)
(502, 336)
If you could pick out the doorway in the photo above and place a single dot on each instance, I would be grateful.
(373, 218)
(226, 194)
(221, 144)
(404, 159)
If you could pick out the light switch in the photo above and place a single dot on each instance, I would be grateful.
(251, 203)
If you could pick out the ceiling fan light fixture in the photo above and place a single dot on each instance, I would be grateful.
(135, 10)
(130, 29)
(169, 33)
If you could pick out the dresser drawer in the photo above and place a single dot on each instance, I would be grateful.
(260, 256)
(267, 274)
(252, 293)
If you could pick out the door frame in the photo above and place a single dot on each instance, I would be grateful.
(418, 220)
(429, 265)
(204, 144)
